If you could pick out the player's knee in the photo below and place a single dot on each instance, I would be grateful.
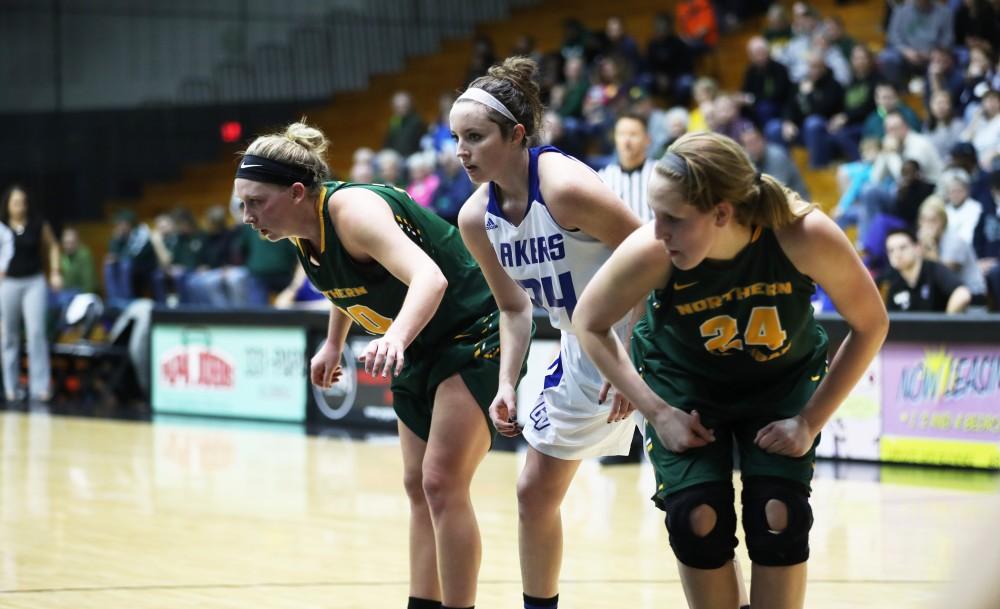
(534, 498)
(413, 484)
(701, 521)
(441, 488)
(776, 519)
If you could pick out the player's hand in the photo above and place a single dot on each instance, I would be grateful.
(790, 437)
(621, 408)
(503, 411)
(324, 367)
(679, 431)
(383, 356)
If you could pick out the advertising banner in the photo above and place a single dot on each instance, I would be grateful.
(229, 371)
(941, 404)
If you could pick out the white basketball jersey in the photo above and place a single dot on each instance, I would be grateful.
(554, 265)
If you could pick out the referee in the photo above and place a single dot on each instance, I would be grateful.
(628, 177)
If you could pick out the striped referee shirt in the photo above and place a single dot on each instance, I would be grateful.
(630, 186)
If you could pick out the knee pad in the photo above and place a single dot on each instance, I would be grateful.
(715, 549)
(776, 548)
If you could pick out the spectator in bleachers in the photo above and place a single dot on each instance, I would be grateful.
(676, 120)
(845, 127)
(405, 127)
(454, 186)
(554, 132)
(943, 75)
(984, 128)
(900, 143)
(669, 62)
(976, 22)
(987, 242)
(944, 128)
(963, 156)
(33, 266)
(915, 284)
(629, 175)
(362, 173)
(609, 83)
(832, 56)
(980, 77)
(179, 252)
(655, 118)
(389, 167)
(705, 91)
(852, 179)
(439, 132)
(765, 82)
(886, 101)
(804, 120)
(912, 191)
(697, 25)
(915, 28)
(963, 211)
(483, 56)
(794, 55)
(578, 41)
(218, 243)
(423, 180)
(940, 243)
(264, 268)
(76, 265)
(130, 261)
(777, 28)
(575, 86)
(616, 42)
(838, 36)
(772, 159)
(524, 46)
(725, 117)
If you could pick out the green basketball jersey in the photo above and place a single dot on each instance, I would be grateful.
(734, 332)
(372, 296)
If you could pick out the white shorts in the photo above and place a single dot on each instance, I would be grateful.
(566, 421)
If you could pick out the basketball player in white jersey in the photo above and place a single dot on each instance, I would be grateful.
(540, 225)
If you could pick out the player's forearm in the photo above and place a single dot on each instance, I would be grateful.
(515, 336)
(421, 303)
(848, 366)
(610, 357)
(337, 328)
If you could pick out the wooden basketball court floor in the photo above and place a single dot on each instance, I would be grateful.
(194, 513)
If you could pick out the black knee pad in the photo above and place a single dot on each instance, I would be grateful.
(783, 548)
(715, 549)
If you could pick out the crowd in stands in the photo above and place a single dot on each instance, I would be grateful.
(911, 125)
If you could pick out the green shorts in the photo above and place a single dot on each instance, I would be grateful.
(473, 353)
(734, 434)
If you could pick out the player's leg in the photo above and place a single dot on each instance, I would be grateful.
(424, 582)
(695, 490)
(777, 518)
(540, 490)
(459, 439)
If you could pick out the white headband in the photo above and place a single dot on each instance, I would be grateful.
(485, 98)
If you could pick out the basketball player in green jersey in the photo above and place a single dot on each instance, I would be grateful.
(729, 353)
(404, 275)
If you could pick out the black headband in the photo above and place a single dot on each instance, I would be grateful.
(260, 169)
(675, 163)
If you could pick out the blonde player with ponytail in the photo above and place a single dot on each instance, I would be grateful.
(729, 359)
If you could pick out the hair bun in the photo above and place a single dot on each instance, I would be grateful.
(519, 70)
(308, 137)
